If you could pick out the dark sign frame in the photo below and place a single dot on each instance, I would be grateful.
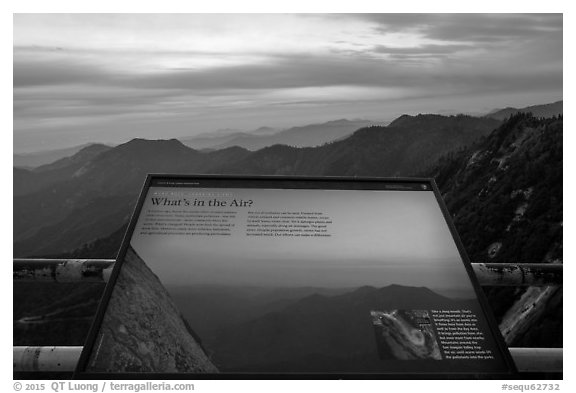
(292, 182)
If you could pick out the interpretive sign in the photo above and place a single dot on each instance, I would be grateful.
(234, 277)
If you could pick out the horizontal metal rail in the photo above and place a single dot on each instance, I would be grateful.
(518, 274)
(46, 359)
(62, 270)
(64, 359)
(98, 270)
(537, 360)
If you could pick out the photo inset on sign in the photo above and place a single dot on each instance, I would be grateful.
(405, 335)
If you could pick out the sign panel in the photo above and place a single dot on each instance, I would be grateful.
(224, 277)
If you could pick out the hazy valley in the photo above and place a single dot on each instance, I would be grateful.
(500, 177)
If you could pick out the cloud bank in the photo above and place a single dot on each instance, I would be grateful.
(81, 78)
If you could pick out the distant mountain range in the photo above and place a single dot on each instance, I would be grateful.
(222, 138)
(98, 198)
(304, 136)
(501, 180)
(546, 110)
(63, 169)
(94, 199)
(407, 145)
(36, 159)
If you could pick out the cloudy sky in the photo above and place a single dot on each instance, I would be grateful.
(110, 78)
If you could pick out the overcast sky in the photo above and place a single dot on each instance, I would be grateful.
(110, 78)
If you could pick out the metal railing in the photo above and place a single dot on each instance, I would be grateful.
(98, 270)
(62, 270)
(64, 359)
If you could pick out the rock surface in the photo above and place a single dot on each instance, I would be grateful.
(143, 330)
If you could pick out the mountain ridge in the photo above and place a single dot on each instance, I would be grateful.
(31, 180)
(371, 151)
(544, 110)
(35, 159)
(299, 136)
(503, 188)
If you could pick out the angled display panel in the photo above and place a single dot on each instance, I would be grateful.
(273, 277)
